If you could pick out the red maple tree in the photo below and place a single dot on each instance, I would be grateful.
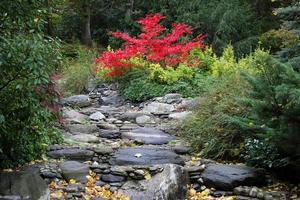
(152, 45)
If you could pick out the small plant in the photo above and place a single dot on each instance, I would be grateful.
(77, 70)
(152, 45)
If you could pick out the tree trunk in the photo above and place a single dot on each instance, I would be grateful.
(86, 37)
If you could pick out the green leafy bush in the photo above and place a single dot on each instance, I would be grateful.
(25, 126)
(77, 69)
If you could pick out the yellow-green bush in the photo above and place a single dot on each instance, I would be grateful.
(228, 64)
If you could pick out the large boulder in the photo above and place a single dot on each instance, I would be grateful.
(227, 177)
(172, 98)
(159, 108)
(71, 154)
(72, 116)
(77, 101)
(97, 116)
(74, 170)
(25, 185)
(148, 136)
(170, 184)
(145, 156)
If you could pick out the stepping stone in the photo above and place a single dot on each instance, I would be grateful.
(145, 156)
(82, 128)
(148, 136)
(74, 170)
(72, 116)
(227, 177)
(72, 154)
(77, 101)
(159, 108)
(109, 134)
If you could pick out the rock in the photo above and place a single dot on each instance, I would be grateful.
(227, 177)
(82, 128)
(144, 156)
(103, 150)
(130, 116)
(107, 126)
(112, 178)
(26, 184)
(110, 134)
(193, 169)
(171, 184)
(114, 100)
(74, 170)
(97, 116)
(159, 108)
(72, 154)
(85, 138)
(148, 136)
(73, 116)
(77, 101)
(144, 119)
(129, 126)
(179, 115)
(181, 149)
(172, 98)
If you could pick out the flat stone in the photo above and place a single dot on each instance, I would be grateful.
(27, 184)
(179, 115)
(97, 116)
(148, 136)
(77, 101)
(82, 128)
(226, 177)
(109, 134)
(103, 150)
(159, 108)
(72, 116)
(74, 170)
(112, 178)
(170, 184)
(72, 154)
(107, 126)
(144, 156)
(129, 126)
(144, 119)
(85, 138)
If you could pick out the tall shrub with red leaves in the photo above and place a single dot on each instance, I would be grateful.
(152, 44)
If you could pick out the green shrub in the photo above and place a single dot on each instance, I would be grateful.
(137, 85)
(211, 129)
(77, 70)
(274, 107)
(278, 39)
(27, 61)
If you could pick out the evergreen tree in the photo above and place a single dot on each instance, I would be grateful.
(291, 21)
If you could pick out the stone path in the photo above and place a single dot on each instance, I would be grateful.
(134, 150)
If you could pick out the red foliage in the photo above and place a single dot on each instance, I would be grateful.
(152, 45)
